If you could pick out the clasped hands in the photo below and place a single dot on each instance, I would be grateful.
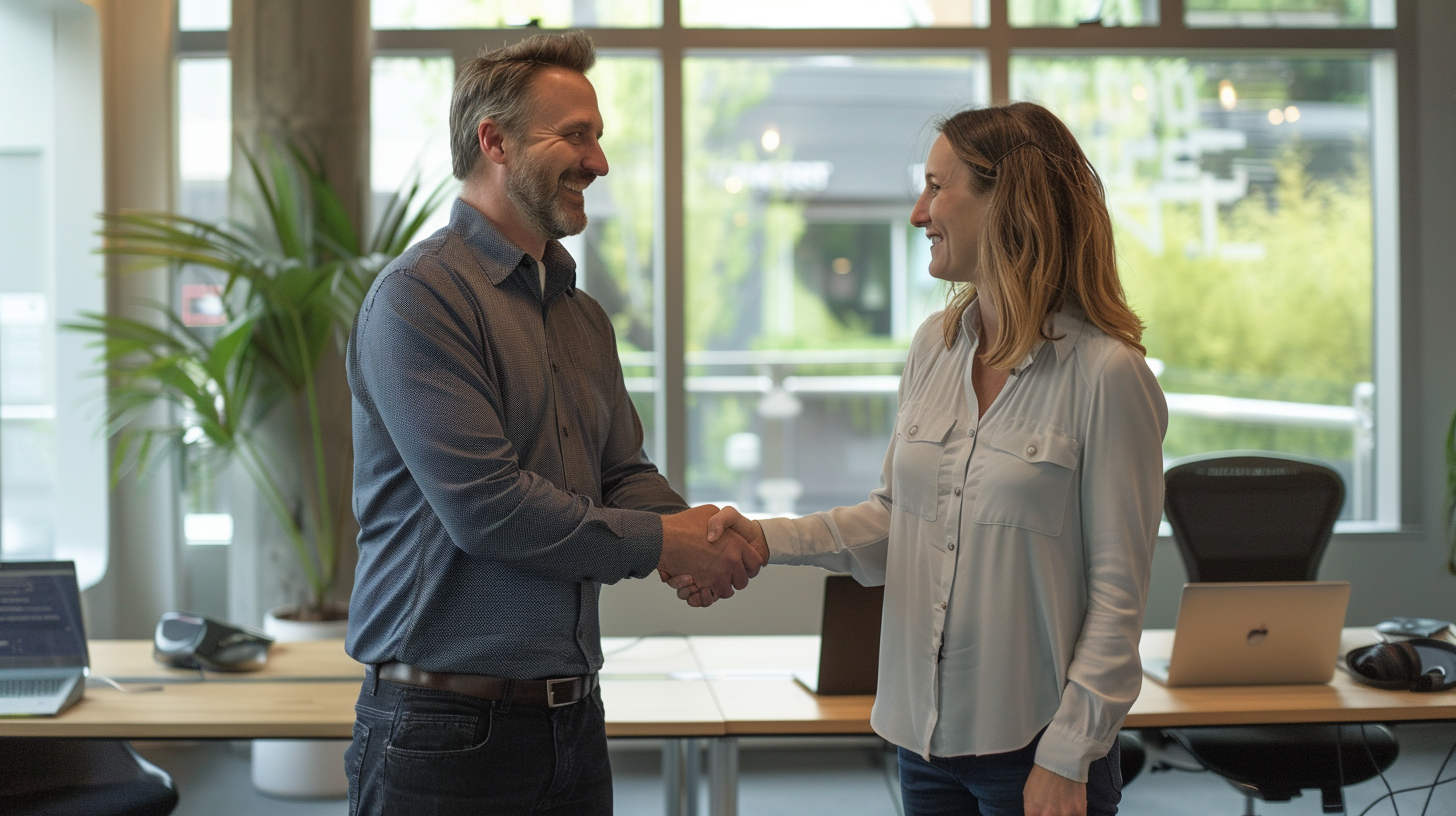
(708, 553)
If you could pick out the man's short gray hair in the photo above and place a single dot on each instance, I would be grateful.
(497, 86)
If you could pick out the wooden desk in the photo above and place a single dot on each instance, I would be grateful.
(676, 689)
(1343, 699)
(751, 677)
(307, 691)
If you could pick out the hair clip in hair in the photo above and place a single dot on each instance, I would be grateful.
(1018, 146)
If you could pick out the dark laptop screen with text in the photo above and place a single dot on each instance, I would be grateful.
(40, 616)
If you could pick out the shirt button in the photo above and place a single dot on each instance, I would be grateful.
(554, 369)
(565, 432)
(942, 606)
(1030, 450)
(956, 491)
(950, 547)
(914, 429)
(971, 432)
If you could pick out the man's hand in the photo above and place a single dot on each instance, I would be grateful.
(719, 564)
(728, 522)
(1050, 794)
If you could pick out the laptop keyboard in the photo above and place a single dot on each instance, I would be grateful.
(31, 688)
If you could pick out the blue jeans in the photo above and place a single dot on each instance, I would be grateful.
(424, 752)
(991, 784)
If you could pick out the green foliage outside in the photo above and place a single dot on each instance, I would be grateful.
(1294, 325)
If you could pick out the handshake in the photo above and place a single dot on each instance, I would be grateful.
(708, 552)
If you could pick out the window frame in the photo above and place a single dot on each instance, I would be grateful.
(1392, 52)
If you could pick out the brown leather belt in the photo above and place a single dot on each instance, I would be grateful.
(552, 693)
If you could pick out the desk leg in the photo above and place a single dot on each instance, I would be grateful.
(680, 776)
(723, 777)
(692, 764)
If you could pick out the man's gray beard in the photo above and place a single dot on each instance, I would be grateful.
(534, 193)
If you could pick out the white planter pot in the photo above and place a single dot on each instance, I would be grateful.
(303, 769)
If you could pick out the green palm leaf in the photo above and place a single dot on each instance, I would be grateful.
(291, 282)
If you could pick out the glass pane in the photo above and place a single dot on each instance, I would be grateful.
(805, 281)
(1068, 13)
(204, 161)
(409, 137)
(204, 15)
(1241, 193)
(1289, 13)
(616, 257)
(204, 129)
(505, 13)
(838, 13)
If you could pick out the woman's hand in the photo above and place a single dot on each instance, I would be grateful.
(1051, 794)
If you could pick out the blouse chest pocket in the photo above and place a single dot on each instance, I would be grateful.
(1026, 478)
(919, 452)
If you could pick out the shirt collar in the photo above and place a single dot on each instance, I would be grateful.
(1066, 327)
(499, 258)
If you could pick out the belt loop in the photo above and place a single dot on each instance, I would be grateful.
(506, 697)
(374, 680)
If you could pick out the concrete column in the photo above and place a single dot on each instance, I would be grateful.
(142, 579)
(300, 74)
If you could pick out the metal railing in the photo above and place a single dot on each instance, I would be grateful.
(1358, 418)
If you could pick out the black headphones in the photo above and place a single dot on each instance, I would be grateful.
(1418, 664)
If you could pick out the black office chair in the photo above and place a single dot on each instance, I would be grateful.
(43, 776)
(1246, 516)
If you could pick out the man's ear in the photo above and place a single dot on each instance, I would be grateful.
(492, 140)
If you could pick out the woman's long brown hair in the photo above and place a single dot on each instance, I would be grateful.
(1047, 237)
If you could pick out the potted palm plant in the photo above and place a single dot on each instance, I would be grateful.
(290, 284)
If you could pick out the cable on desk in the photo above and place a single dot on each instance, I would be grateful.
(636, 640)
(136, 688)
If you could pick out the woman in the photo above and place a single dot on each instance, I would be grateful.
(1022, 489)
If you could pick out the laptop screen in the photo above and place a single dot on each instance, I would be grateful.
(40, 616)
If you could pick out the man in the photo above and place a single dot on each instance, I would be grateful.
(499, 475)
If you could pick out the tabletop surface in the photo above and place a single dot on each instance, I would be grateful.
(698, 686)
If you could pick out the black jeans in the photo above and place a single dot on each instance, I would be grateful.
(419, 751)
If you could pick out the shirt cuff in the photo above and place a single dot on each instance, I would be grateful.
(639, 535)
(782, 539)
(1067, 753)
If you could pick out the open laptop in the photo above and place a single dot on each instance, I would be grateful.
(43, 658)
(1262, 633)
(849, 639)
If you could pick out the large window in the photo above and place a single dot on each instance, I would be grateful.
(752, 241)
(52, 460)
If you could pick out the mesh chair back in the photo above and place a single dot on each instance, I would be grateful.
(1242, 516)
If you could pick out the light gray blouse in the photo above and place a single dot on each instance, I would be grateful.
(1015, 548)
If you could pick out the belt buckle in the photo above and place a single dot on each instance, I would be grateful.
(551, 691)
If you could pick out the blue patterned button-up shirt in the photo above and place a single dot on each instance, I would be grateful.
(499, 476)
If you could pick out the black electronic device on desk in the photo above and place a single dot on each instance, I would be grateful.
(1399, 628)
(189, 641)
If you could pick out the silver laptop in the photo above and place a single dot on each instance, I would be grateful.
(43, 658)
(1265, 633)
